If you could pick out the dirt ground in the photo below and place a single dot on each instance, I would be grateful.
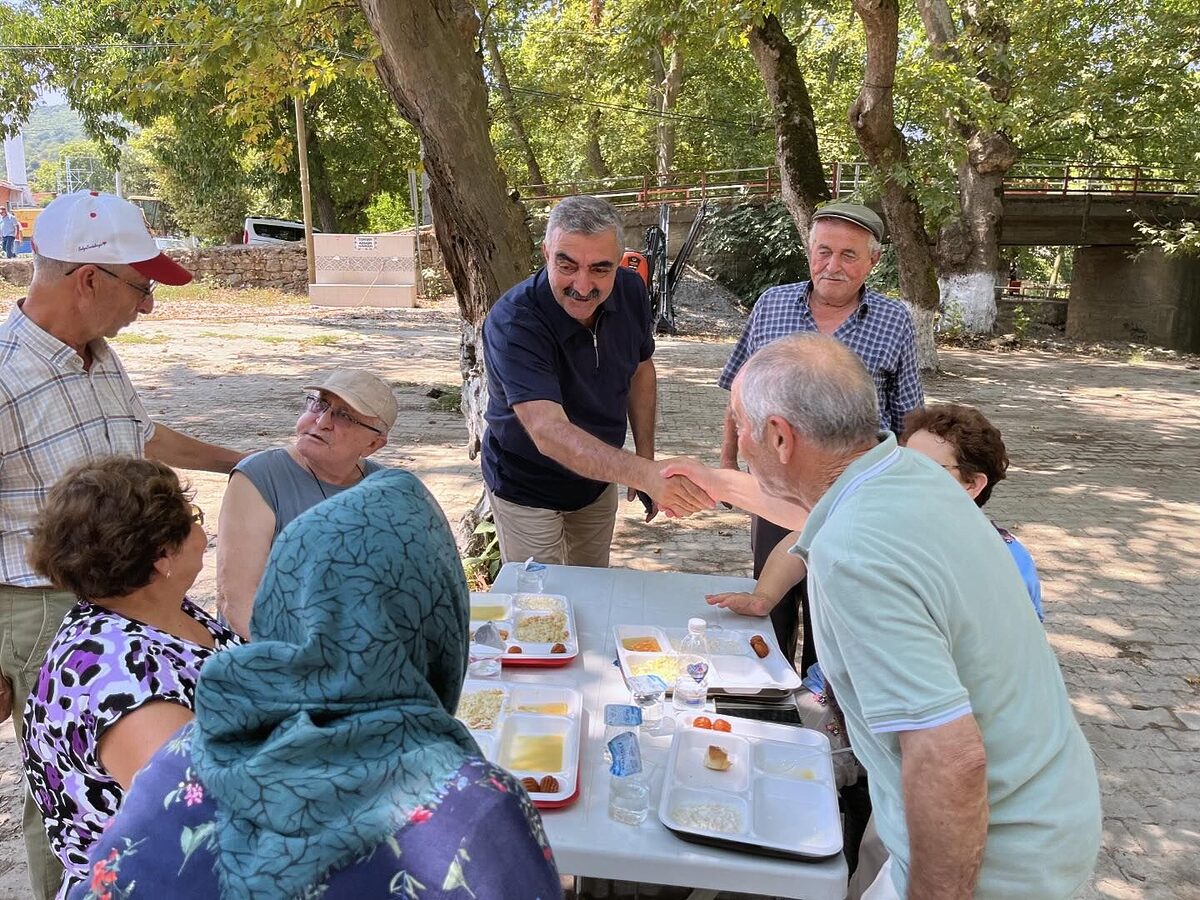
(1104, 491)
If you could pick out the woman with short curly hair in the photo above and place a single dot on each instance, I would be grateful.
(120, 676)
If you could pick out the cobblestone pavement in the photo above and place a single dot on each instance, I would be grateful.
(1104, 490)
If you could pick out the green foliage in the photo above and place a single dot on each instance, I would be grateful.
(1021, 322)
(218, 80)
(88, 159)
(1173, 240)
(198, 172)
(436, 282)
(481, 570)
(48, 129)
(750, 248)
(389, 212)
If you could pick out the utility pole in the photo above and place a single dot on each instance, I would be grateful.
(305, 197)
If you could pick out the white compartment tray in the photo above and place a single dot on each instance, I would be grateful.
(777, 798)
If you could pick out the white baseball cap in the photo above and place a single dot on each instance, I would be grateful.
(91, 227)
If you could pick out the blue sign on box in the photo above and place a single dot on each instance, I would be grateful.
(626, 754)
(622, 714)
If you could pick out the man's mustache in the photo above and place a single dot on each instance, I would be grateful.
(575, 295)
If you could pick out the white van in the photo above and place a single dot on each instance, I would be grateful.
(273, 231)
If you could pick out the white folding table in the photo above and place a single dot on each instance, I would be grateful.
(585, 840)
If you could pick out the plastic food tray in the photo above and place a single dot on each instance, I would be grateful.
(520, 717)
(779, 788)
(508, 611)
(736, 668)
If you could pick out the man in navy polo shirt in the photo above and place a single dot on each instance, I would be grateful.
(568, 354)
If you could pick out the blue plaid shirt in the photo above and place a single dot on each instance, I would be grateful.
(880, 332)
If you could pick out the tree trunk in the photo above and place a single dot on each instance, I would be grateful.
(801, 175)
(428, 65)
(318, 177)
(968, 246)
(535, 182)
(671, 83)
(872, 116)
(595, 158)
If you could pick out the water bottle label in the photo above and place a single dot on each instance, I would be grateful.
(626, 754)
(647, 684)
(697, 671)
(622, 714)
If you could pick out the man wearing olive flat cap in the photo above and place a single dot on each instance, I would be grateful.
(844, 244)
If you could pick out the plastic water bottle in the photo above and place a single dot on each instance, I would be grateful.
(691, 685)
(628, 788)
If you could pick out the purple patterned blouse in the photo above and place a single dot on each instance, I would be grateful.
(100, 666)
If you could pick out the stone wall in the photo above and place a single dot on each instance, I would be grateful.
(285, 268)
(235, 265)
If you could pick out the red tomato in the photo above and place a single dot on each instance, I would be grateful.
(722, 725)
(702, 722)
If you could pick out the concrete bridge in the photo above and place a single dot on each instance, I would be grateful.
(1092, 208)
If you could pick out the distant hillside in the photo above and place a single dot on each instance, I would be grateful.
(48, 129)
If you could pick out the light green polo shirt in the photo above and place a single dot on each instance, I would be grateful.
(921, 616)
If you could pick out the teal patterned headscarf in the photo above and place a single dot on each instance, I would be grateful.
(319, 738)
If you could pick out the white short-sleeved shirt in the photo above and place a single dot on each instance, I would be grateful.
(54, 415)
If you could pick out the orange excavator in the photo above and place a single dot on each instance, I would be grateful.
(662, 276)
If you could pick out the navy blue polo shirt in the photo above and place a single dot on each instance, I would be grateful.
(535, 351)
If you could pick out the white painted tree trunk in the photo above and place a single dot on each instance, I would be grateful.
(925, 322)
(969, 301)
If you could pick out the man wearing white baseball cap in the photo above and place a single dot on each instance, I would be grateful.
(64, 399)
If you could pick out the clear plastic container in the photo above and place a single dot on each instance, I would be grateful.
(628, 787)
(647, 692)
(531, 578)
(691, 684)
(628, 799)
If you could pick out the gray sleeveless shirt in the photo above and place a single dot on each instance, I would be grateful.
(286, 486)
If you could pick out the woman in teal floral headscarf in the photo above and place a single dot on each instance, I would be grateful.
(324, 760)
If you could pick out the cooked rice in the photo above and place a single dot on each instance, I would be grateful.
(543, 629)
(709, 817)
(481, 709)
(538, 601)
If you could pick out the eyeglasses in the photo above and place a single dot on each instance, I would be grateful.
(197, 514)
(318, 406)
(146, 290)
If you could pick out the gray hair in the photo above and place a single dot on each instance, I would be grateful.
(874, 247)
(582, 214)
(817, 386)
(49, 268)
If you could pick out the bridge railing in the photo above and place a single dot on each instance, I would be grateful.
(847, 179)
(751, 182)
(1032, 290)
(1112, 179)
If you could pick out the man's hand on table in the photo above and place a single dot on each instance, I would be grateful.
(743, 603)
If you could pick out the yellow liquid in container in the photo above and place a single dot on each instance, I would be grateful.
(487, 613)
(535, 753)
(545, 709)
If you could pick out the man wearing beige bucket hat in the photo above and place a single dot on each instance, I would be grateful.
(64, 399)
(346, 417)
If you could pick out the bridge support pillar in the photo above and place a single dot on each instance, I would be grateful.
(1152, 299)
